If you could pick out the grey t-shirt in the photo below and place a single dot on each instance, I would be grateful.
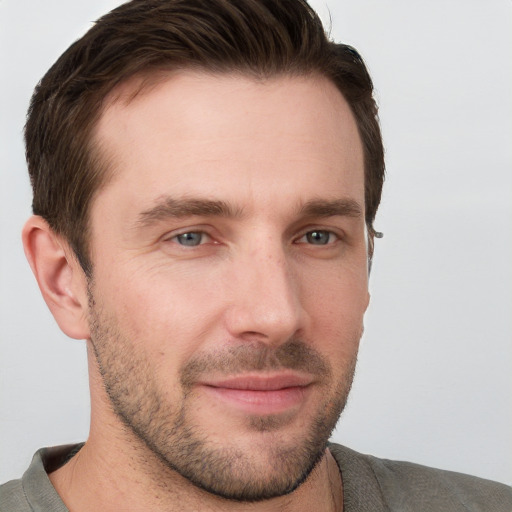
(369, 485)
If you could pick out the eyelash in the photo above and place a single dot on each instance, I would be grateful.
(177, 237)
(332, 237)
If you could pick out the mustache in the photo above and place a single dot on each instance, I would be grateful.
(291, 355)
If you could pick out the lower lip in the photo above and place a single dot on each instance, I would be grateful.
(261, 402)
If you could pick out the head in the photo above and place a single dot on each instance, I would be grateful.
(216, 179)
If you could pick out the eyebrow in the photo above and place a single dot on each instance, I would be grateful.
(339, 207)
(169, 207)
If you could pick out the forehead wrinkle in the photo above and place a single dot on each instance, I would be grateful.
(169, 207)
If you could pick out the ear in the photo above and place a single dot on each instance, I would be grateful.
(60, 278)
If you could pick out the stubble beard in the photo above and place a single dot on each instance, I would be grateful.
(170, 434)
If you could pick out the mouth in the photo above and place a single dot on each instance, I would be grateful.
(261, 394)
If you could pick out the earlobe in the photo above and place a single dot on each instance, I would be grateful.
(59, 276)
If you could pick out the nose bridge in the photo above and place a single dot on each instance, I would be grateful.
(267, 300)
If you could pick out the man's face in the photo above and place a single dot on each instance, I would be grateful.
(230, 274)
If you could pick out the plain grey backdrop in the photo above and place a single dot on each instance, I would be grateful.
(434, 380)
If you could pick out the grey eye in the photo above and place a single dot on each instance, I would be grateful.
(190, 239)
(318, 237)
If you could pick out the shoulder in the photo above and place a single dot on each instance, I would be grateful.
(406, 486)
(12, 497)
(34, 491)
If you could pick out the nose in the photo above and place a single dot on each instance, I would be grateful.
(265, 297)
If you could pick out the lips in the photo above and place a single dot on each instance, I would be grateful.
(261, 383)
(260, 394)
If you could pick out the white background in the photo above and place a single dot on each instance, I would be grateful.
(434, 382)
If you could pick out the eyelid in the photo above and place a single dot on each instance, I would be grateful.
(173, 235)
(338, 234)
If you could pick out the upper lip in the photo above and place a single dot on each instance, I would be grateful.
(261, 382)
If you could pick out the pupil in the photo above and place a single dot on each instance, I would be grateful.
(318, 237)
(189, 239)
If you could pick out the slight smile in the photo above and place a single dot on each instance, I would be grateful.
(261, 394)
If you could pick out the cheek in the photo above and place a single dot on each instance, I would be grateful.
(336, 304)
(338, 289)
(170, 312)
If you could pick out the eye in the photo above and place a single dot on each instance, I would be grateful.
(191, 238)
(318, 237)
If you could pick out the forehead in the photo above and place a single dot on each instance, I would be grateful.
(196, 133)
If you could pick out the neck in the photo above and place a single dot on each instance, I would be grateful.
(103, 477)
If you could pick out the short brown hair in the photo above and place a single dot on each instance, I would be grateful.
(261, 38)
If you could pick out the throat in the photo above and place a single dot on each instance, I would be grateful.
(81, 489)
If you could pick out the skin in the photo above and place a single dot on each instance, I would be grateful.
(227, 300)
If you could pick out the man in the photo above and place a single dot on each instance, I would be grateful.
(206, 177)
